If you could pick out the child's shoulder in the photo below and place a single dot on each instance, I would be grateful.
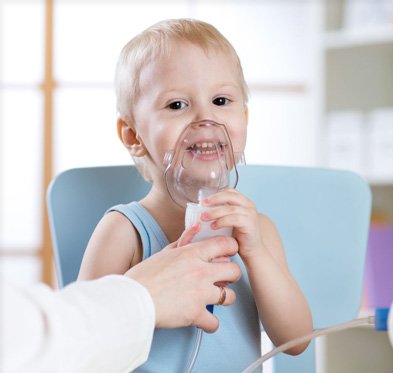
(116, 231)
(114, 221)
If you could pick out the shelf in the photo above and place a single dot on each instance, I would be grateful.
(360, 350)
(358, 38)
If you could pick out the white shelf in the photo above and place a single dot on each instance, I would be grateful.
(358, 38)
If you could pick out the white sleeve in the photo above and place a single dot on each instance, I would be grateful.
(104, 325)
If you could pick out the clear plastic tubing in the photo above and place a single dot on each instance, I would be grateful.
(197, 345)
(317, 333)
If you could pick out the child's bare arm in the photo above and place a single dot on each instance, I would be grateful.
(113, 248)
(282, 307)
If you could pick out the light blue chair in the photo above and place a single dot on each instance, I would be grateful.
(322, 215)
(323, 219)
(77, 199)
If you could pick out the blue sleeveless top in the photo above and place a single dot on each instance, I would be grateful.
(234, 346)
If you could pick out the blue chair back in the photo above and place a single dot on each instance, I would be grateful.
(322, 216)
(77, 199)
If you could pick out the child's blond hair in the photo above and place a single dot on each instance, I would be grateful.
(155, 42)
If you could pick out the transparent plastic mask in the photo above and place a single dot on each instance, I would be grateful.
(202, 163)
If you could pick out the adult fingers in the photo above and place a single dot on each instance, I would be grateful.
(206, 320)
(221, 259)
(188, 234)
(226, 296)
(186, 237)
(223, 273)
(217, 247)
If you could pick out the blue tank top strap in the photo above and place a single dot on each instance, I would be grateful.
(152, 237)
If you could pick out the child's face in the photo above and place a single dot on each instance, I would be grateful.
(189, 86)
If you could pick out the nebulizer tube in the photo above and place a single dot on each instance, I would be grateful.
(317, 333)
(202, 164)
(195, 351)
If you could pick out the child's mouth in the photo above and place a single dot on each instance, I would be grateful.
(207, 149)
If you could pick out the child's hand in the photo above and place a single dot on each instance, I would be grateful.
(230, 208)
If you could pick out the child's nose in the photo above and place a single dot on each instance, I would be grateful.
(204, 112)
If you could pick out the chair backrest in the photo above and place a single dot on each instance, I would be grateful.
(77, 199)
(322, 216)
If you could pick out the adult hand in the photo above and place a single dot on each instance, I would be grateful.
(181, 281)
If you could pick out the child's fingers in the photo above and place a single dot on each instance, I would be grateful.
(228, 196)
(221, 211)
(236, 221)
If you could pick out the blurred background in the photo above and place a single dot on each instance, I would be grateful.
(321, 94)
(320, 74)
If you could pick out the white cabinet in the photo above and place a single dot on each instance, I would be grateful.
(355, 93)
(360, 350)
(357, 78)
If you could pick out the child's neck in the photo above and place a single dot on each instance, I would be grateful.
(168, 215)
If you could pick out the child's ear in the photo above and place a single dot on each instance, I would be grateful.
(246, 114)
(130, 139)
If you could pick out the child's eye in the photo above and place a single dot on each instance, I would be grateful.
(219, 101)
(176, 105)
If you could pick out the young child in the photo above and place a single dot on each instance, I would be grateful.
(175, 73)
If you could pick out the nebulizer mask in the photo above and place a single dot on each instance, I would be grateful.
(203, 163)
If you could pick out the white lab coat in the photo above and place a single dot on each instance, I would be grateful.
(104, 325)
